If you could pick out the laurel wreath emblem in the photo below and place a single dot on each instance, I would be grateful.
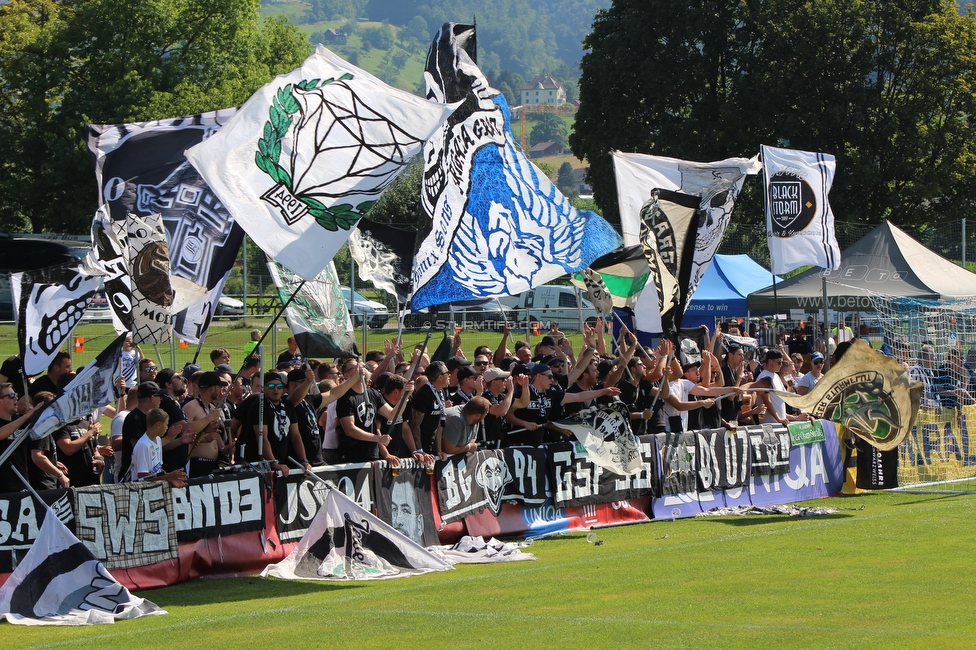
(284, 106)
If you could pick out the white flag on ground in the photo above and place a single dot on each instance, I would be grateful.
(59, 582)
(799, 223)
(309, 153)
(605, 433)
(345, 542)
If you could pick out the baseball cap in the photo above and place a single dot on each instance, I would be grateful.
(209, 379)
(224, 368)
(816, 356)
(539, 369)
(189, 369)
(495, 373)
(549, 341)
(457, 362)
(466, 371)
(149, 389)
(165, 376)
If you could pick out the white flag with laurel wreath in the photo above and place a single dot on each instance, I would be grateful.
(309, 153)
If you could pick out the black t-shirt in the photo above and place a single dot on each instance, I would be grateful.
(733, 404)
(288, 357)
(79, 464)
(39, 479)
(43, 383)
(308, 426)
(539, 410)
(494, 428)
(247, 442)
(11, 369)
(174, 458)
(364, 408)
(133, 428)
(19, 459)
(279, 418)
(429, 402)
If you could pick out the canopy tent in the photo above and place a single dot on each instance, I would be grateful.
(886, 261)
(723, 289)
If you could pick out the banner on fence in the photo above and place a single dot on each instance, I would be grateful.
(471, 482)
(218, 506)
(297, 497)
(579, 481)
(405, 502)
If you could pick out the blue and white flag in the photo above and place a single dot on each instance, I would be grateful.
(59, 582)
(799, 222)
(309, 153)
(141, 170)
(491, 223)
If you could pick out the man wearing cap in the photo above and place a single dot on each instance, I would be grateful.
(769, 378)
(173, 392)
(427, 407)
(454, 364)
(148, 396)
(693, 382)
(204, 454)
(530, 422)
(499, 391)
(306, 405)
(470, 384)
(279, 430)
(546, 348)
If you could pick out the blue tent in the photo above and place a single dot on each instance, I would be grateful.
(723, 289)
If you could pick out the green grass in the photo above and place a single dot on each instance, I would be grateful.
(897, 574)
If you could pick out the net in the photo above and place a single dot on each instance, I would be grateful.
(936, 341)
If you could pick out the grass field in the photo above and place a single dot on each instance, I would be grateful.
(897, 574)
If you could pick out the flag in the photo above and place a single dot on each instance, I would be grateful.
(717, 186)
(140, 169)
(624, 273)
(151, 292)
(345, 542)
(49, 303)
(605, 433)
(799, 223)
(491, 223)
(309, 153)
(317, 316)
(869, 393)
(384, 256)
(59, 582)
(91, 388)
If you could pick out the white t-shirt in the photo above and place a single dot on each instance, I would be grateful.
(779, 406)
(330, 440)
(680, 389)
(147, 457)
(808, 380)
(116, 432)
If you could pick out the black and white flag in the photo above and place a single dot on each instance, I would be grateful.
(345, 542)
(606, 435)
(770, 450)
(140, 169)
(384, 256)
(799, 222)
(49, 303)
(91, 388)
(318, 316)
(60, 582)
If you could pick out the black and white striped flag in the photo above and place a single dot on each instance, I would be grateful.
(799, 222)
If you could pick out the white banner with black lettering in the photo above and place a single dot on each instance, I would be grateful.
(126, 525)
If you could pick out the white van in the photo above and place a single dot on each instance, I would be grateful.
(553, 303)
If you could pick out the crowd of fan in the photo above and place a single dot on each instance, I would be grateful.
(174, 425)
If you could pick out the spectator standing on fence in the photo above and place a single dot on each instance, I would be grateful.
(130, 362)
(60, 365)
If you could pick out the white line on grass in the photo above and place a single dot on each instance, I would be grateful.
(522, 568)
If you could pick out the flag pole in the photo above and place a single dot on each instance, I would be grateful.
(410, 375)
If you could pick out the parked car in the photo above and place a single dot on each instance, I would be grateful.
(227, 306)
(553, 303)
(98, 311)
(374, 313)
(468, 314)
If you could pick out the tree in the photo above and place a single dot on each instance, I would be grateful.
(400, 203)
(885, 87)
(67, 64)
(566, 181)
(549, 127)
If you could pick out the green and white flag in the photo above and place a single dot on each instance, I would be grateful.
(309, 153)
(624, 272)
(317, 316)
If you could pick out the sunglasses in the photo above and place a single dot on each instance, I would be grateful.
(12, 396)
(481, 363)
(274, 386)
(149, 368)
(818, 362)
